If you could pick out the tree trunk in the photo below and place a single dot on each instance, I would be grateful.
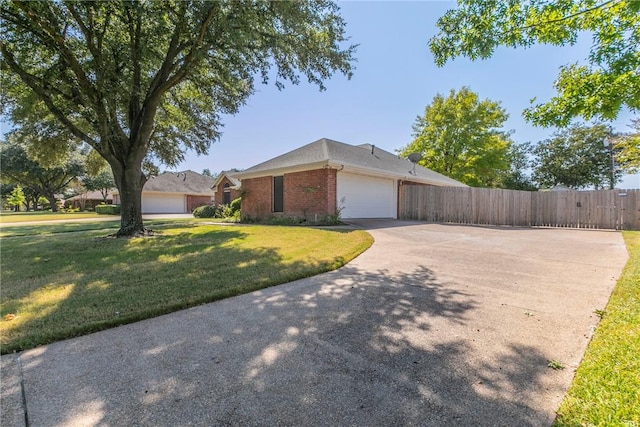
(52, 202)
(129, 182)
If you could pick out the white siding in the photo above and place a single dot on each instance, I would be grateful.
(366, 196)
(164, 203)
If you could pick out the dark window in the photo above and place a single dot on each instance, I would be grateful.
(278, 194)
(226, 195)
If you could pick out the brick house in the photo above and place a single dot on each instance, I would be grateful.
(328, 177)
(226, 188)
(175, 192)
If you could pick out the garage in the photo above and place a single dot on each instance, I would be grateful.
(163, 203)
(362, 196)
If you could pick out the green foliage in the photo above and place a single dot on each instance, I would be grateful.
(16, 198)
(144, 82)
(235, 205)
(102, 181)
(108, 209)
(17, 166)
(608, 82)
(206, 211)
(627, 149)
(459, 137)
(555, 365)
(577, 157)
(516, 178)
(229, 213)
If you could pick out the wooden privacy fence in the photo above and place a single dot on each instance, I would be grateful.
(605, 209)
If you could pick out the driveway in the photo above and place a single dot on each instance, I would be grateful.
(435, 325)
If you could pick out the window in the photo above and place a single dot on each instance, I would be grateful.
(226, 195)
(278, 194)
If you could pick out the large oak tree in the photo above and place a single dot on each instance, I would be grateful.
(145, 81)
(609, 79)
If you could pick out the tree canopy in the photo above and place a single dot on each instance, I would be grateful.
(18, 167)
(597, 89)
(577, 157)
(627, 149)
(16, 198)
(460, 137)
(519, 161)
(145, 81)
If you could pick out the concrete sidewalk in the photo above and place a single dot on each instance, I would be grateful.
(435, 325)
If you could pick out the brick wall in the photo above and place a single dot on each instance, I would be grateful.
(257, 198)
(219, 195)
(310, 195)
(195, 201)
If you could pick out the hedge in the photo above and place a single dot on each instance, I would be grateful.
(108, 209)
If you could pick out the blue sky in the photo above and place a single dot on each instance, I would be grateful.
(394, 80)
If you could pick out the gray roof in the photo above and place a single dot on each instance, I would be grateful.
(92, 195)
(363, 158)
(187, 182)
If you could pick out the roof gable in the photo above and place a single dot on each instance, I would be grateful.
(235, 183)
(365, 158)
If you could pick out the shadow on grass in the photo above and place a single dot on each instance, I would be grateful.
(78, 284)
(345, 348)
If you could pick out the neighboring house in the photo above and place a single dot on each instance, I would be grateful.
(226, 188)
(89, 200)
(327, 177)
(175, 192)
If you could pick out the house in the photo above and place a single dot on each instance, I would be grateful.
(327, 177)
(226, 188)
(175, 192)
(89, 200)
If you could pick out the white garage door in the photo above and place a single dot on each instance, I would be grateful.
(154, 203)
(366, 197)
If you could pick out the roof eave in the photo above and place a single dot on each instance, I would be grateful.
(281, 171)
(389, 174)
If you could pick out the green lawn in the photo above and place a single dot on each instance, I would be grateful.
(14, 217)
(61, 281)
(606, 388)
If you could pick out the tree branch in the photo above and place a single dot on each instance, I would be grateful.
(32, 82)
(562, 19)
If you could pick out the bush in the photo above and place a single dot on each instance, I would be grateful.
(235, 205)
(206, 211)
(108, 209)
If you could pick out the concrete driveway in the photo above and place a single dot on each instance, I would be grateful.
(435, 325)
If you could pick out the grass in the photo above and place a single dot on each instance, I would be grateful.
(65, 280)
(14, 217)
(606, 387)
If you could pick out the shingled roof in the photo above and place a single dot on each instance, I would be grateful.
(364, 158)
(187, 182)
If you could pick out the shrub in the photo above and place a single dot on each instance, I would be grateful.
(108, 209)
(206, 211)
(235, 205)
